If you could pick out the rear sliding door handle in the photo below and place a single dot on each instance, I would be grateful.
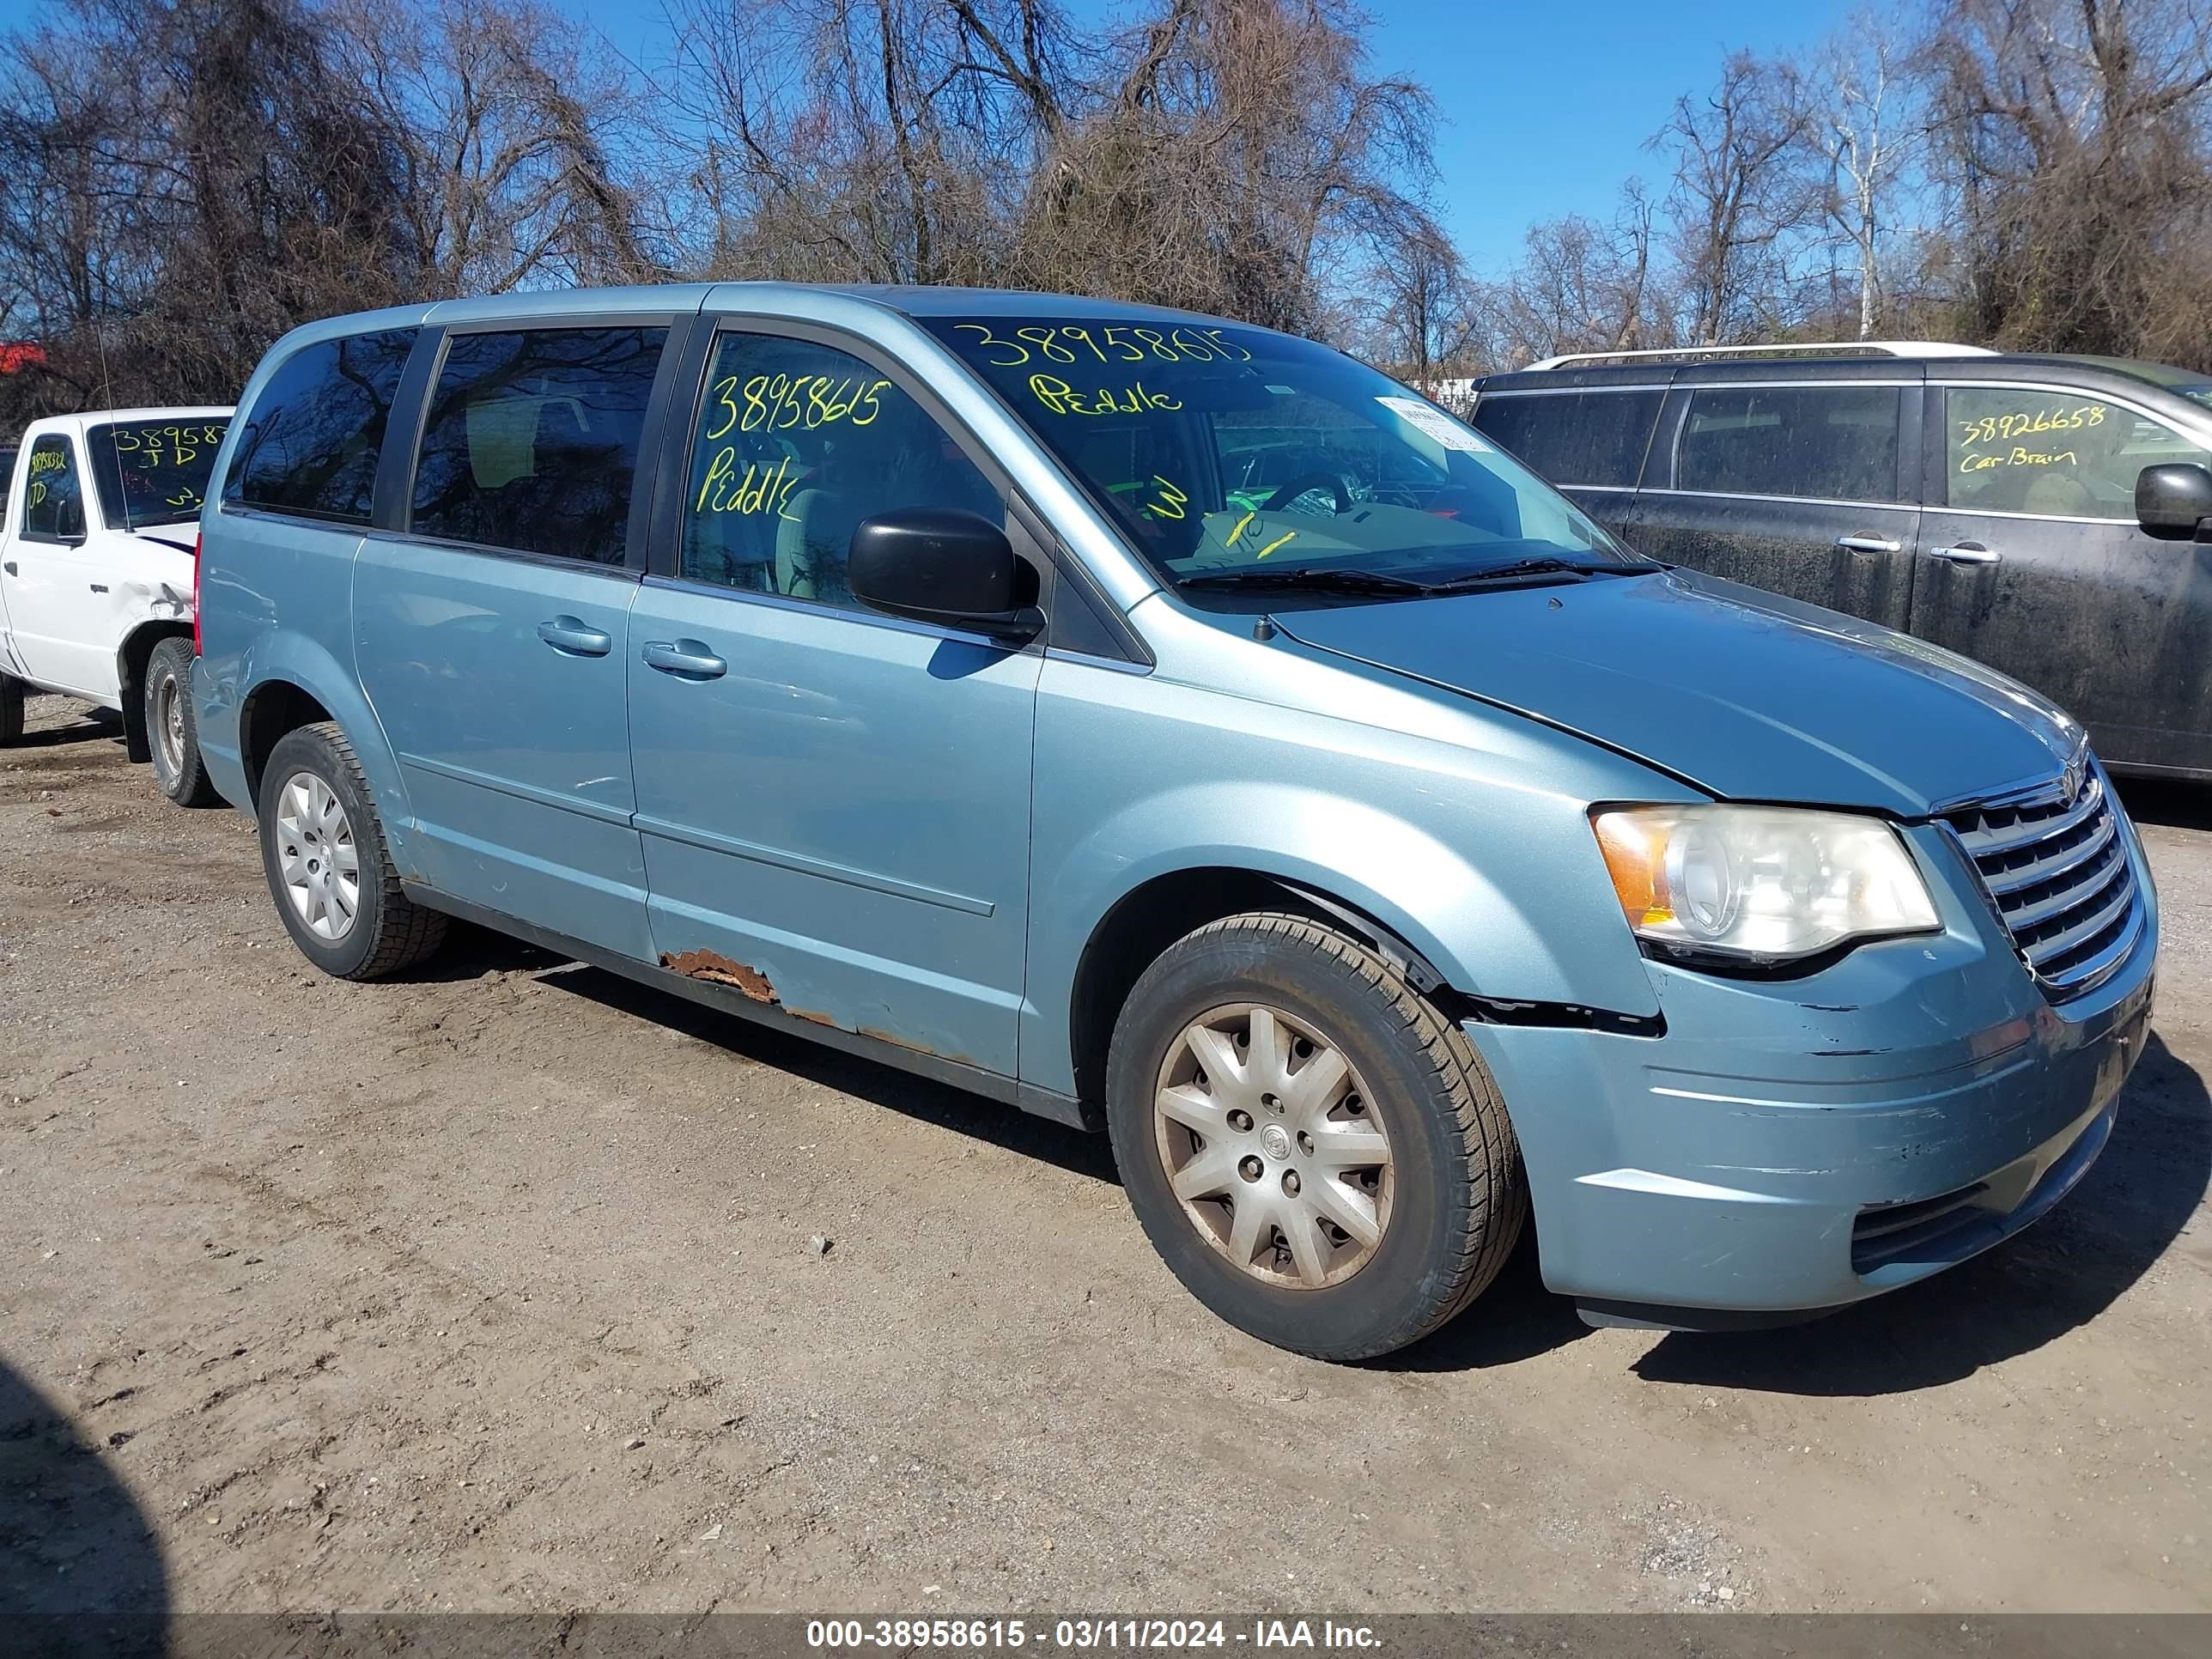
(1868, 544)
(1968, 553)
(687, 659)
(576, 637)
(10, 567)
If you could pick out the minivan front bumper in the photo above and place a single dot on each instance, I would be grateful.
(1787, 1147)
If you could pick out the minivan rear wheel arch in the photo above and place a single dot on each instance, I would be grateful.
(271, 710)
(1150, 918)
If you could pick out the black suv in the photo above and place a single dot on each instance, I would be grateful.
(2051, 516)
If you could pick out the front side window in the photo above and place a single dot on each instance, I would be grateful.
(1222, 450)
(2064, 454)
(796, 444)
(532, 438)
(151, 472)
(1593, 438)
(1834, 443)
(53, 508)
(315, 434)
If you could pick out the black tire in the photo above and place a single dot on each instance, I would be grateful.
(169, 675)
(390, 932)
(11, 711)
(1460, 1196)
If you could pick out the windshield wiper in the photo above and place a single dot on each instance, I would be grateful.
(1547, 566)
(1309, 578)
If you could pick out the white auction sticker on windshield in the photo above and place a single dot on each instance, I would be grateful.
(1438, 424)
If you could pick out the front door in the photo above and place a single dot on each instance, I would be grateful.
(835, 805)
(492, 632)
(2033, 563)
(59, 610)
(1801, 490)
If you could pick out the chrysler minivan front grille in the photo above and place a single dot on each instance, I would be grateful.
(2058, 873)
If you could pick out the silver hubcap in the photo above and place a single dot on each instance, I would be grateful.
(1272, 1145)
(169, 722)
(316, 856)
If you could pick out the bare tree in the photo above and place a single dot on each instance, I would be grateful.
(2074, 147)
(1862, 117)
(1739, 196)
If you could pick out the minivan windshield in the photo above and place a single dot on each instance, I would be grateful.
(153, 472)
(1228, 453)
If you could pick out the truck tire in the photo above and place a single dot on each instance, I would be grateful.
(1316, 1153)
(11, 711)
(173, 725)
(323, 851)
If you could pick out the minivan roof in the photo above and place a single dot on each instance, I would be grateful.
(913, 302)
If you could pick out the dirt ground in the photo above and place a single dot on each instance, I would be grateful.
(494, 1289)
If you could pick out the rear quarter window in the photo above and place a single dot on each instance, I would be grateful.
(313, 438)
(1593, 438)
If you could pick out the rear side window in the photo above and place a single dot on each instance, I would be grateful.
(1596, 438)
(312, 442)
(1837, 442)
(533, 440)
(53, 505)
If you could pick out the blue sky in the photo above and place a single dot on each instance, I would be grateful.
(1546, 105)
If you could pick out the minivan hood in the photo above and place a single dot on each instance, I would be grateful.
(1747, 695)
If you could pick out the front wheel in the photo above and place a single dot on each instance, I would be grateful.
(322, 849)
(172, 726)
(11, 710)
(1316, 1153)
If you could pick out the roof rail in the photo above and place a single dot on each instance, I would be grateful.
(1834, 349)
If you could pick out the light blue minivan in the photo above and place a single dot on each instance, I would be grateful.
(1173, 726)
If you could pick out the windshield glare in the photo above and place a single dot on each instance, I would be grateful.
(153, 472)
(1220, 449)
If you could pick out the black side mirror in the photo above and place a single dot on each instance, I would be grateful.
(2175, 500)
(939, 565)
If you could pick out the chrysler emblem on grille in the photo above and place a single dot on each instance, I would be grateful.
(2070, 786)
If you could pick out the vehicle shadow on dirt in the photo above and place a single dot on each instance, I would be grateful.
(2057, 1275)
(928, 1102)
(86, 725)
(80, 1567)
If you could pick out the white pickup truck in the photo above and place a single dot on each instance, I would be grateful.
(96, 575)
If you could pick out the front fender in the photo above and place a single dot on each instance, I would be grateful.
(1480, 859)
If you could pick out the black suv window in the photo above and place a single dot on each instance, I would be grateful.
(53, 504)
(1593, 438)
(312, 441)
(532, 438)
(1838, 442)
(2045, 451)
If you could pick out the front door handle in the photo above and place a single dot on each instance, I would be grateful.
(576, 637)
(1868, 544)
(10, 568)
(687, 659)
(1968, 553)
(99, 587)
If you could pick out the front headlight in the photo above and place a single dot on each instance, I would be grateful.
(1759, 884)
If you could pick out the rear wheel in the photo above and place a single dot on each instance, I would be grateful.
(1316, 1153)
(171, 726)
(322, 850)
